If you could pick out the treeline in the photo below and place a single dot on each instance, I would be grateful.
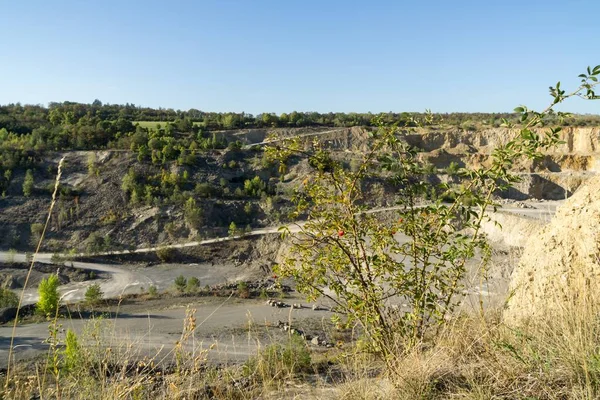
(163, 135)
(112, 118)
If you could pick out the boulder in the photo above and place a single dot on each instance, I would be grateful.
(561, 262)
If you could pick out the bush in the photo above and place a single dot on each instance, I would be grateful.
(72, 353)
(180, 283)
(353, 257)
(193, 284)
(56, 258)
(280, 362)
(152, 291)
(235, 146)
(243, 291)
(93, 294)
(8, 298)
(255, 186)
(164, 254)
(95, 243)
(453, 168)
(205, 189)
(47, 305)
(10, 257)
(36, 232)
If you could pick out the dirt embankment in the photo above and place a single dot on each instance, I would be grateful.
(561, 263)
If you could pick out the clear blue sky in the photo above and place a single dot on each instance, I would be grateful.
(310, 55)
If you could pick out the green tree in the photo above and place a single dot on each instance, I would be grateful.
(93, 294)
(93, 169)
(180, 283)
(73, 356)
(28, 183)
(255, 186)
(233, 229)
(192, 213)
(47, 304)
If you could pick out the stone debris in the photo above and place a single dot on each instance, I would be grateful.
(314, 340)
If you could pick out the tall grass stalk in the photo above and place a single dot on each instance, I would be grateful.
(37, 250)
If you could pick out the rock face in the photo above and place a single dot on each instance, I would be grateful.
(562, 261)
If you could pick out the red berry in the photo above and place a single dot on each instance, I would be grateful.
(401, 220)
(341, 233)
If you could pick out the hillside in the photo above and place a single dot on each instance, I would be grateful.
(115, 199)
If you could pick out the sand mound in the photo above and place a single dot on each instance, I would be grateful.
(562, 261)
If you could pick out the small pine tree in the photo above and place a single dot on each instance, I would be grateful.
(152, 291)
(232, 229)
(28, 183)
(193, 284)
(180, 283)
(72, 353)
(93, 294)
(47, 305)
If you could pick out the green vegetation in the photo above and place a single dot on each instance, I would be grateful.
(93, 294)
(72, 354)
(8, 298)
(180, 283)
(156, 134)
(352, 258)
(47, 304)
(28, 184)
(243, 291)
(255, 187)
(280, 362)
(164, 254)
(233, 229)
(192, 213)
(11, 256)
(426, 350)
(193, 285)
(152, 291)
(36, 232)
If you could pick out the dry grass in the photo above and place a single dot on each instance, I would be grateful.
(473, 357)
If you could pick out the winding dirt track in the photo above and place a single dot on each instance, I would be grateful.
(123, 280)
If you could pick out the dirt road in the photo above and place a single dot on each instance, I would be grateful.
(234, 328)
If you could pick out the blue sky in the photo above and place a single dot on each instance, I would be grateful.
(278, 56)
